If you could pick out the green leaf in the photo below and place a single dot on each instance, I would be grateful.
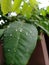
(43, 12)
(1, 32)
(6, 6)
(0, 1)
(19, 43)
(18, 11)
(47, 9)
(16, 5)
(33, 2)
(44, 25)
(26, 10)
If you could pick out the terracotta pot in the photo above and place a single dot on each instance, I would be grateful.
(39, 56)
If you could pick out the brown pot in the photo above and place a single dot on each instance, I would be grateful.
(1, 53)
(39, 56)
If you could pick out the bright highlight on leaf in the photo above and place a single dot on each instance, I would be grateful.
(6, 6)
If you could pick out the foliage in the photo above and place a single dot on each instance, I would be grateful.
(16, 5)
(6, 6)
(26, 10)
(48, 9)
(19, 43)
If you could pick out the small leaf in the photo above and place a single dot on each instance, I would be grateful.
(43, 12)
(6, 6)
(47, 9)
(33, 2)
(19, 43)
(18, 11)
(44, 25)
(16, 5)
(26, 10)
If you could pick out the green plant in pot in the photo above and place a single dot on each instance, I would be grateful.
(20, 33)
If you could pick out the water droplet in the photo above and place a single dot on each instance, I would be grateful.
(16, 29)
(26, 33)
(30, 31)
(18, 38)
(8, 26)
(10, 34)
(5, 20)
(20, 30)
(8, 49)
